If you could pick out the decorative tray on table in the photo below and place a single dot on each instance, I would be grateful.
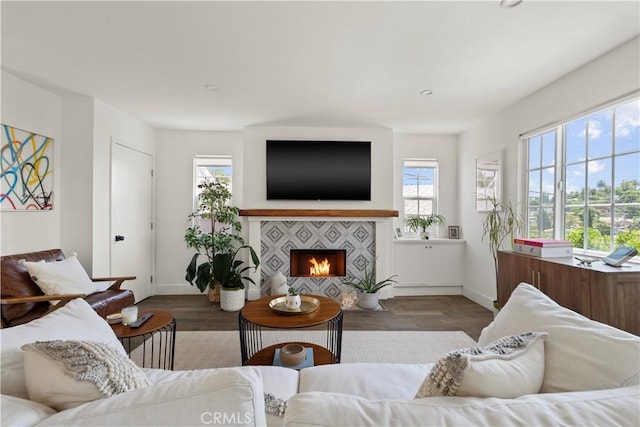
(308, 304)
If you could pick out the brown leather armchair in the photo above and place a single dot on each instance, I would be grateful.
(22, 300)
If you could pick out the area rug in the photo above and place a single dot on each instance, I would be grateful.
(219, 349)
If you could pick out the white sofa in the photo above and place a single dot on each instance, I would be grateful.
(591, 377)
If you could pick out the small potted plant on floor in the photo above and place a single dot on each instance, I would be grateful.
(368, 287)
(423, 222)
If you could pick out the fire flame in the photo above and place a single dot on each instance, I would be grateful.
(319, 269)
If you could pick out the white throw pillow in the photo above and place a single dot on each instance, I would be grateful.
(580, 354)
(507, 368)
(61, 277)
(76, 320)
(65, 374)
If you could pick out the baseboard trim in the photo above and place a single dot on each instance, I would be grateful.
(176, 289)
(478, 298)
(403, 291)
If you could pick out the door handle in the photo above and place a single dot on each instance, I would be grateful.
(119, 238)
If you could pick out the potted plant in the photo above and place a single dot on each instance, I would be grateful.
(292, 300)
(423, 222)
(368, 287)
(223, 236)
(229, 273)
(502, 220)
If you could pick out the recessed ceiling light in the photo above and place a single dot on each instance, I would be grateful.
(506, 4)
(426, 92)
(212, 87)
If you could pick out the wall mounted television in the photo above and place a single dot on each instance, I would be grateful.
(318, 170)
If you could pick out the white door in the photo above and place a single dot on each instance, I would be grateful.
(131, 218)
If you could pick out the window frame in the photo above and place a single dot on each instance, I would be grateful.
(208, 161)
(561, 170)
(426, 163)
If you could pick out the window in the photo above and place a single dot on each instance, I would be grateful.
(420, 187)
(595, 162)
(210, 168)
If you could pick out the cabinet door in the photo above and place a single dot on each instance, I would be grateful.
(615, 300)
(568, 286)
(428, 265)
(514, 269)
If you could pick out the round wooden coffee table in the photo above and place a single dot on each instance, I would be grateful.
(156, 336)
(257, 315)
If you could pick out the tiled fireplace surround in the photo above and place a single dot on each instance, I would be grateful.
(366, 240)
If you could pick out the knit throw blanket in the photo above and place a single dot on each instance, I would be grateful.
(100, 364)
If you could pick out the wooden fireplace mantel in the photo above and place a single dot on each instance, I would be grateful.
(354, 213)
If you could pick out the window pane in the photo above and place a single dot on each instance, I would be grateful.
(575, 136)
(534, 221)
(549, 149)
(410, 207)
(600, 138)
(628, 127)
(599, 181)
(599, 229)
(426, 207)
(546, 223)
(574, 226)
(575, 185)
(535, 144)
(627, 178)
(534, 188)
(627, 227)
(548, 186)
(418, 181)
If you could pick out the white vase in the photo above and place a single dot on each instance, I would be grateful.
(231, 299)
(278, 284)
(292, 302)
(369, 301)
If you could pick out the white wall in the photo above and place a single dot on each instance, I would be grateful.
(255, 190)
(612, 75)
(174, 197)
(443, 148)
(108, 124)
(76, 223)
(31, 108)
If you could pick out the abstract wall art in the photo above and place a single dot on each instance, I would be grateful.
(26, 170)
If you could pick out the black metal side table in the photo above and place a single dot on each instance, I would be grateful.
(156, 337)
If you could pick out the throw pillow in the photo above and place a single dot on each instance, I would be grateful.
(507, 368)
(580, 354)
(76, 320)
(65, 374)
(61, 277)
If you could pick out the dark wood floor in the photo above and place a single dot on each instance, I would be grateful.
(424, 313)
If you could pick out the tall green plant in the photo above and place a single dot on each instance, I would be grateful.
(500, 222)
(214, 206)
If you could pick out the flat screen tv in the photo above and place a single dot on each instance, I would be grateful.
(318, 170)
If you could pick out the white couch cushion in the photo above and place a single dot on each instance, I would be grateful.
(225, 396)
(76, 320)
(368, 380)
(509, 367)
(22, 412)
(617, 407)
(65, 374)
(580, 354)
(61, 277)
(280, 382)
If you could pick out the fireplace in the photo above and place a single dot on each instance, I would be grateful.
(318, 263)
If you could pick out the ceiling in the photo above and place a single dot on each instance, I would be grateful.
(355, 64)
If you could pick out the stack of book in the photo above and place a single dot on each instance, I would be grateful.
(543, 248)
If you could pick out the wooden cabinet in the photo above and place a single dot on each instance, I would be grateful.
(428, 267)
(607, 294)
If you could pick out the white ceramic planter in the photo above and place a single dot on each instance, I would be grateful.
(292, 302)
(369, 301)
(231, 299)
